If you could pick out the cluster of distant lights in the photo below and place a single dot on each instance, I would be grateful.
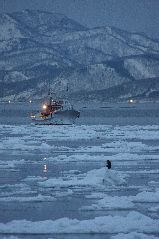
(9, 101)
(30, 101)
(45, 106)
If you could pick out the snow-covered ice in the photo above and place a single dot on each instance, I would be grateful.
(38, 198)
(134, 221)
(109, 203)
(57, 178)
(147, 196)
(133, 235)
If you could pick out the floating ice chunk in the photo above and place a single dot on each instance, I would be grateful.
(154, 184)
(154, 209)
(113, 177)
(121, 146)
(133, 222)
(34, 179)
(79, 158)
(24, 144)
(110, 203)
(117, 158)
(11, 163)
(153, 171)
(26, 138)
(64, 194)
(132, 157)
(7, 190)
(10, 237)
(92, 178)
(38, 198)
(45, 147)
(147, 196)
(83, 132)
(133, 235)
(97, 195)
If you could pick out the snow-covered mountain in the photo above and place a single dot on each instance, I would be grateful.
(38, 47)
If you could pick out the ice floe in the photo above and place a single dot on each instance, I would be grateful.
(154, 209)
(133, 222)
(113, 177)
(119, 147)
(133, 235)
(93, 178)
(64, 193)
(27, 138)
(34, 179)
(6, 164)
(12, 190)
(10, 237)
(38, 198)
(116, 158)
(147, 196)
(109, 203)
(77, 132)
(130, 146)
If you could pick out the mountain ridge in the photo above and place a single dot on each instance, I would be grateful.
(36, 45)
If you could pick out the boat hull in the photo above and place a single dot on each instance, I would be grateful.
(65, 117)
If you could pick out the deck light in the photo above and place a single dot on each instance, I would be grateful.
(44, 107)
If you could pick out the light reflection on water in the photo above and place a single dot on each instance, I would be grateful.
(45, 168)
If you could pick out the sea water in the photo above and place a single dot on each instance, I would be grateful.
(54, 182)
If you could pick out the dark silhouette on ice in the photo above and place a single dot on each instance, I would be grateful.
(109, 164)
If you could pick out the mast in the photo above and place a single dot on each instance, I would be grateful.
(49, 93)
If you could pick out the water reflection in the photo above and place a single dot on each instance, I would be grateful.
(45, 168)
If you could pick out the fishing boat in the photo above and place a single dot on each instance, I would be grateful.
(56, 112)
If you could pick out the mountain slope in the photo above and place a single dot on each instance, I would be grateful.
(38, 47)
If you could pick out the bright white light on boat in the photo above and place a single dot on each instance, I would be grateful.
(33, 116)
(131, 101)
(9, 101)
(30, 101)
(44, 107)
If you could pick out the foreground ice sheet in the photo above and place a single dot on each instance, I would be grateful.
(122, 202)
(134, 221)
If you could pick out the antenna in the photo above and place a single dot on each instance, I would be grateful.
(67, 87)
(49, 90)
(49, 93)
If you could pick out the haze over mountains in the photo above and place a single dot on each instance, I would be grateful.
(38, 49)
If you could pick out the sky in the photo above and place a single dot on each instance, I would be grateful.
(130, 15)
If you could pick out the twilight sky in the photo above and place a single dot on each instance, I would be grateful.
(131, 15)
